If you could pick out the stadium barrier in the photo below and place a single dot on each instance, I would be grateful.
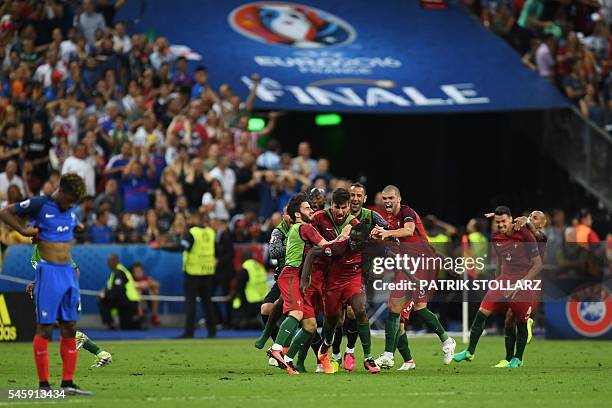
(163, 266)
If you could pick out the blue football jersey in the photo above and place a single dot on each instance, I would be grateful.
(54, 224)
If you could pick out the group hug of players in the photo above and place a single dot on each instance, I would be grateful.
(322, 260)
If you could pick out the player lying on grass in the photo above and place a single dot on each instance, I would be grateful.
(518, 258)
(342, 286)
(57, 288)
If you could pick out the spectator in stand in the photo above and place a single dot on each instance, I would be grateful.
(212, 156)
(135, 185)
(592, 106)
(126, 231)
(199, 81)
(224, 269)
(9, 148)
(226, 177)
(545, 60)
(146, 285)
(216, 202)
(85, 212)
(182, 77)
(9, 177)
(197, 182)
(100, 232)
(161, 54)
(150, 231)
(149, 132)
(303, 163)
(164, 215)
(110, 195)
(555, 232)
(529, 22)
(88, 21)
(116, 164)
(122, 43)
(529, 58)
(171, 186)
(270, 158)
(78, 164)
(237, 109)
(247, 181)
(575, 84)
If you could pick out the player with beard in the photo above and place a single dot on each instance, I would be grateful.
(405, 225)
(298, 307)
(330, 223)
(536, 222)
(518, 260)
(272, 306)
(342, 286)
(373, 218)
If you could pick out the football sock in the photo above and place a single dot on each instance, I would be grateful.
(92, 347)
(478, 326)
(69, 358)
(366, 339)
(392, 326)
(315, 344)
(300, 338)
(337, 340)
(41, 357)
(432, 322)
(521, 339)
(510, 341)
(285, 330)
(402, 347)
(352, 332)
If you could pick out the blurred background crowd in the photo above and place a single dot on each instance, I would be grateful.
(567, 42)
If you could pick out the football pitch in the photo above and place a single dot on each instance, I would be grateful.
(232, 373)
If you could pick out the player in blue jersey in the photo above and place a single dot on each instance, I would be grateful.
(57, 290)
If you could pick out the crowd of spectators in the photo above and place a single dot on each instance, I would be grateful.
(153, 138)
(568, 42)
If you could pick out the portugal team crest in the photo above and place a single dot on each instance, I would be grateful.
(290, 24)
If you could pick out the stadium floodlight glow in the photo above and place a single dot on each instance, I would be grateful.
(328, 119)
(256, 124)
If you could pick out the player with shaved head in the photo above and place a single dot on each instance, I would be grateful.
(406, 226)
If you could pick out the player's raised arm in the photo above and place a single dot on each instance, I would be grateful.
(406, 231)
(11, 217)
(307, 266)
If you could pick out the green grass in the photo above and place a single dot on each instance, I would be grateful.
(233, 373)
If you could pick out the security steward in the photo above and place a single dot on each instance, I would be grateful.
(251, 290)
(199, 271)
(121, 294)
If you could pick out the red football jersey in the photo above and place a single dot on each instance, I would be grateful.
(515, 252)
(404, 215)
(323, 221)
(345, 265)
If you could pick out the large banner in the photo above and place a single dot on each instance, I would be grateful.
(17, 317)
(350, 56)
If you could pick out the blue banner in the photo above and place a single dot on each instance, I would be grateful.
(351, 56)
(578, 320)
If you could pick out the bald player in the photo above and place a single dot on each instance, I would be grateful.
(406, 225)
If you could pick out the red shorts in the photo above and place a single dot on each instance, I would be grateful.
(314, 293)
(289, 285)
(339, 293)
(406, 310)
(521, 304)
(416, 295)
